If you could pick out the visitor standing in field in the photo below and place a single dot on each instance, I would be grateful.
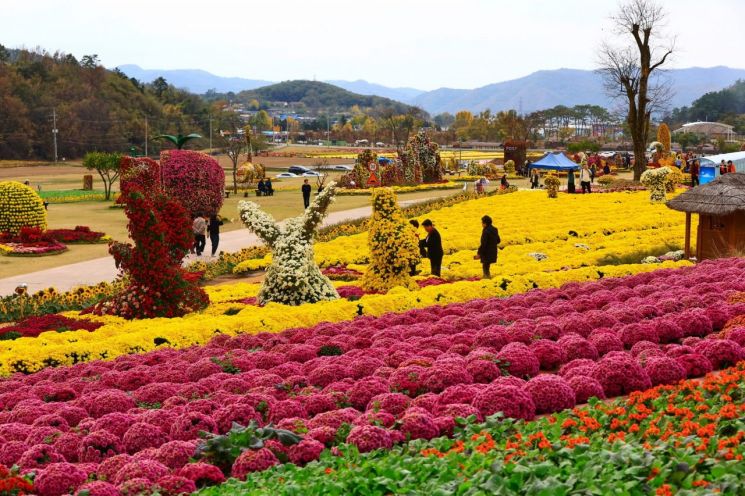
(487, 251)
(535, 180)
(214, 230)
(693, 170)
(433, 244)
(199, 228)
(585, 178)
(306, 193)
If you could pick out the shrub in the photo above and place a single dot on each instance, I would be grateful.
(393, 246)
(20, 206)
(194, 179)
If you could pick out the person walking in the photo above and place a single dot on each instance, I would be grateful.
(585, 178)
(693, 169)
(433, 244)
(199, 228)
(214, 230)
(487, 251)
(306, 193)
(535, 179)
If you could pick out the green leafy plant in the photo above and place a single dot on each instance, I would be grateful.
(178, 140)
(222, 450)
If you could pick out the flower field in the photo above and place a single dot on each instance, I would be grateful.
(577, 367)
(134, 423)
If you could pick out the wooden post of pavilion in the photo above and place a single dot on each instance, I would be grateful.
(688, 236)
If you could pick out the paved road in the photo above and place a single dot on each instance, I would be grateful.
(102, 269)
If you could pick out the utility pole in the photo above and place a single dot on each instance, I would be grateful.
(210, 134)
(54, 132)
(146, 136)
(328, 130)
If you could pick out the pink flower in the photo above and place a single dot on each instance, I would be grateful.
(586, 387)
(393, 403)
(549, 354)
(305, 451)
(550, 393)
(141, 436)
(664, 370)
(173, 485)
(58, 479)
(146, 469)
(176, 454)
(620, 374)
(99, 445)
(519, 360)
(510, 400)
(369, 438)
(40, 455)
(203, 474)
(189, 425)
(253, 461)
(98, 488)
(419, 426)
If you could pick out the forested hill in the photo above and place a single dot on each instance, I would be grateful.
(727, 105)
(316, 96)
(96, 109)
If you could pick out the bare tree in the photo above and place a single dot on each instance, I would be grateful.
(234, 147)
(627, 69)
(321, 167)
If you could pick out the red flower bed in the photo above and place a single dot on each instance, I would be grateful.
(33, 326)
(372, 382)
(81, 234)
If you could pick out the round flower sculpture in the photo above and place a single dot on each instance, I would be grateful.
(193, 178)
(20, 206)
(656, 182)
(552, 183)
(393, 246)
(293, 277)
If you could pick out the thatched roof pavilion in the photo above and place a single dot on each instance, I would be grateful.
(721, 208)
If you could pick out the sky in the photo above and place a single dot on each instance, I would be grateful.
(414, 43)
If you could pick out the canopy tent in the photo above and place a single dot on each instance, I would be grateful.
(556, 161)
(737, 158)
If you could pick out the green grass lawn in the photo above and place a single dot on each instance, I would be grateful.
(99, 216)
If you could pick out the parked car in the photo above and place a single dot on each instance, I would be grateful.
(342, 167)
(311, 174)
(298, 170)
(607, 154)
(285, 175)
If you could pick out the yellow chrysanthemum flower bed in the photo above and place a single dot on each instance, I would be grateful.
(20, 206)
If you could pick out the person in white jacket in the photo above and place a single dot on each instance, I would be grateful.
(585, 178)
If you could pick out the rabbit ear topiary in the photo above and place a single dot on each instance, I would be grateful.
(293, 278)
(20, 206)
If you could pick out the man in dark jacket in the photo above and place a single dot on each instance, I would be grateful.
(489, 243)
(433, 244)
(306, 193)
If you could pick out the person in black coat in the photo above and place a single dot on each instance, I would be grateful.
(306, 193)
(214, 229)
(433, 245)
(487, 252)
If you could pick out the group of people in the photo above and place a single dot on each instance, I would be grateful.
(727, 168)
(431, 246)
(201, 226)
(480, 184)
(265, 188)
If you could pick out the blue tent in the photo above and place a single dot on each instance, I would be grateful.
(556, 161)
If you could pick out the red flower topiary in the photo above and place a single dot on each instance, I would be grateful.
(585, 388)
(195, 179)
(664, 370)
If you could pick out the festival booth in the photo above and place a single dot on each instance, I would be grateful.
(559, 162)
(555, 161)
(710, 165)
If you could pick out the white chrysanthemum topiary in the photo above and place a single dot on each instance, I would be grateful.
(293, 278)
(656, 182)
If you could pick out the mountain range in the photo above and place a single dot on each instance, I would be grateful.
(539, 90)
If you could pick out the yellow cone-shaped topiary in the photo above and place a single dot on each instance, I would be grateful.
(393, 245)
(20, 206)
(663, 136)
